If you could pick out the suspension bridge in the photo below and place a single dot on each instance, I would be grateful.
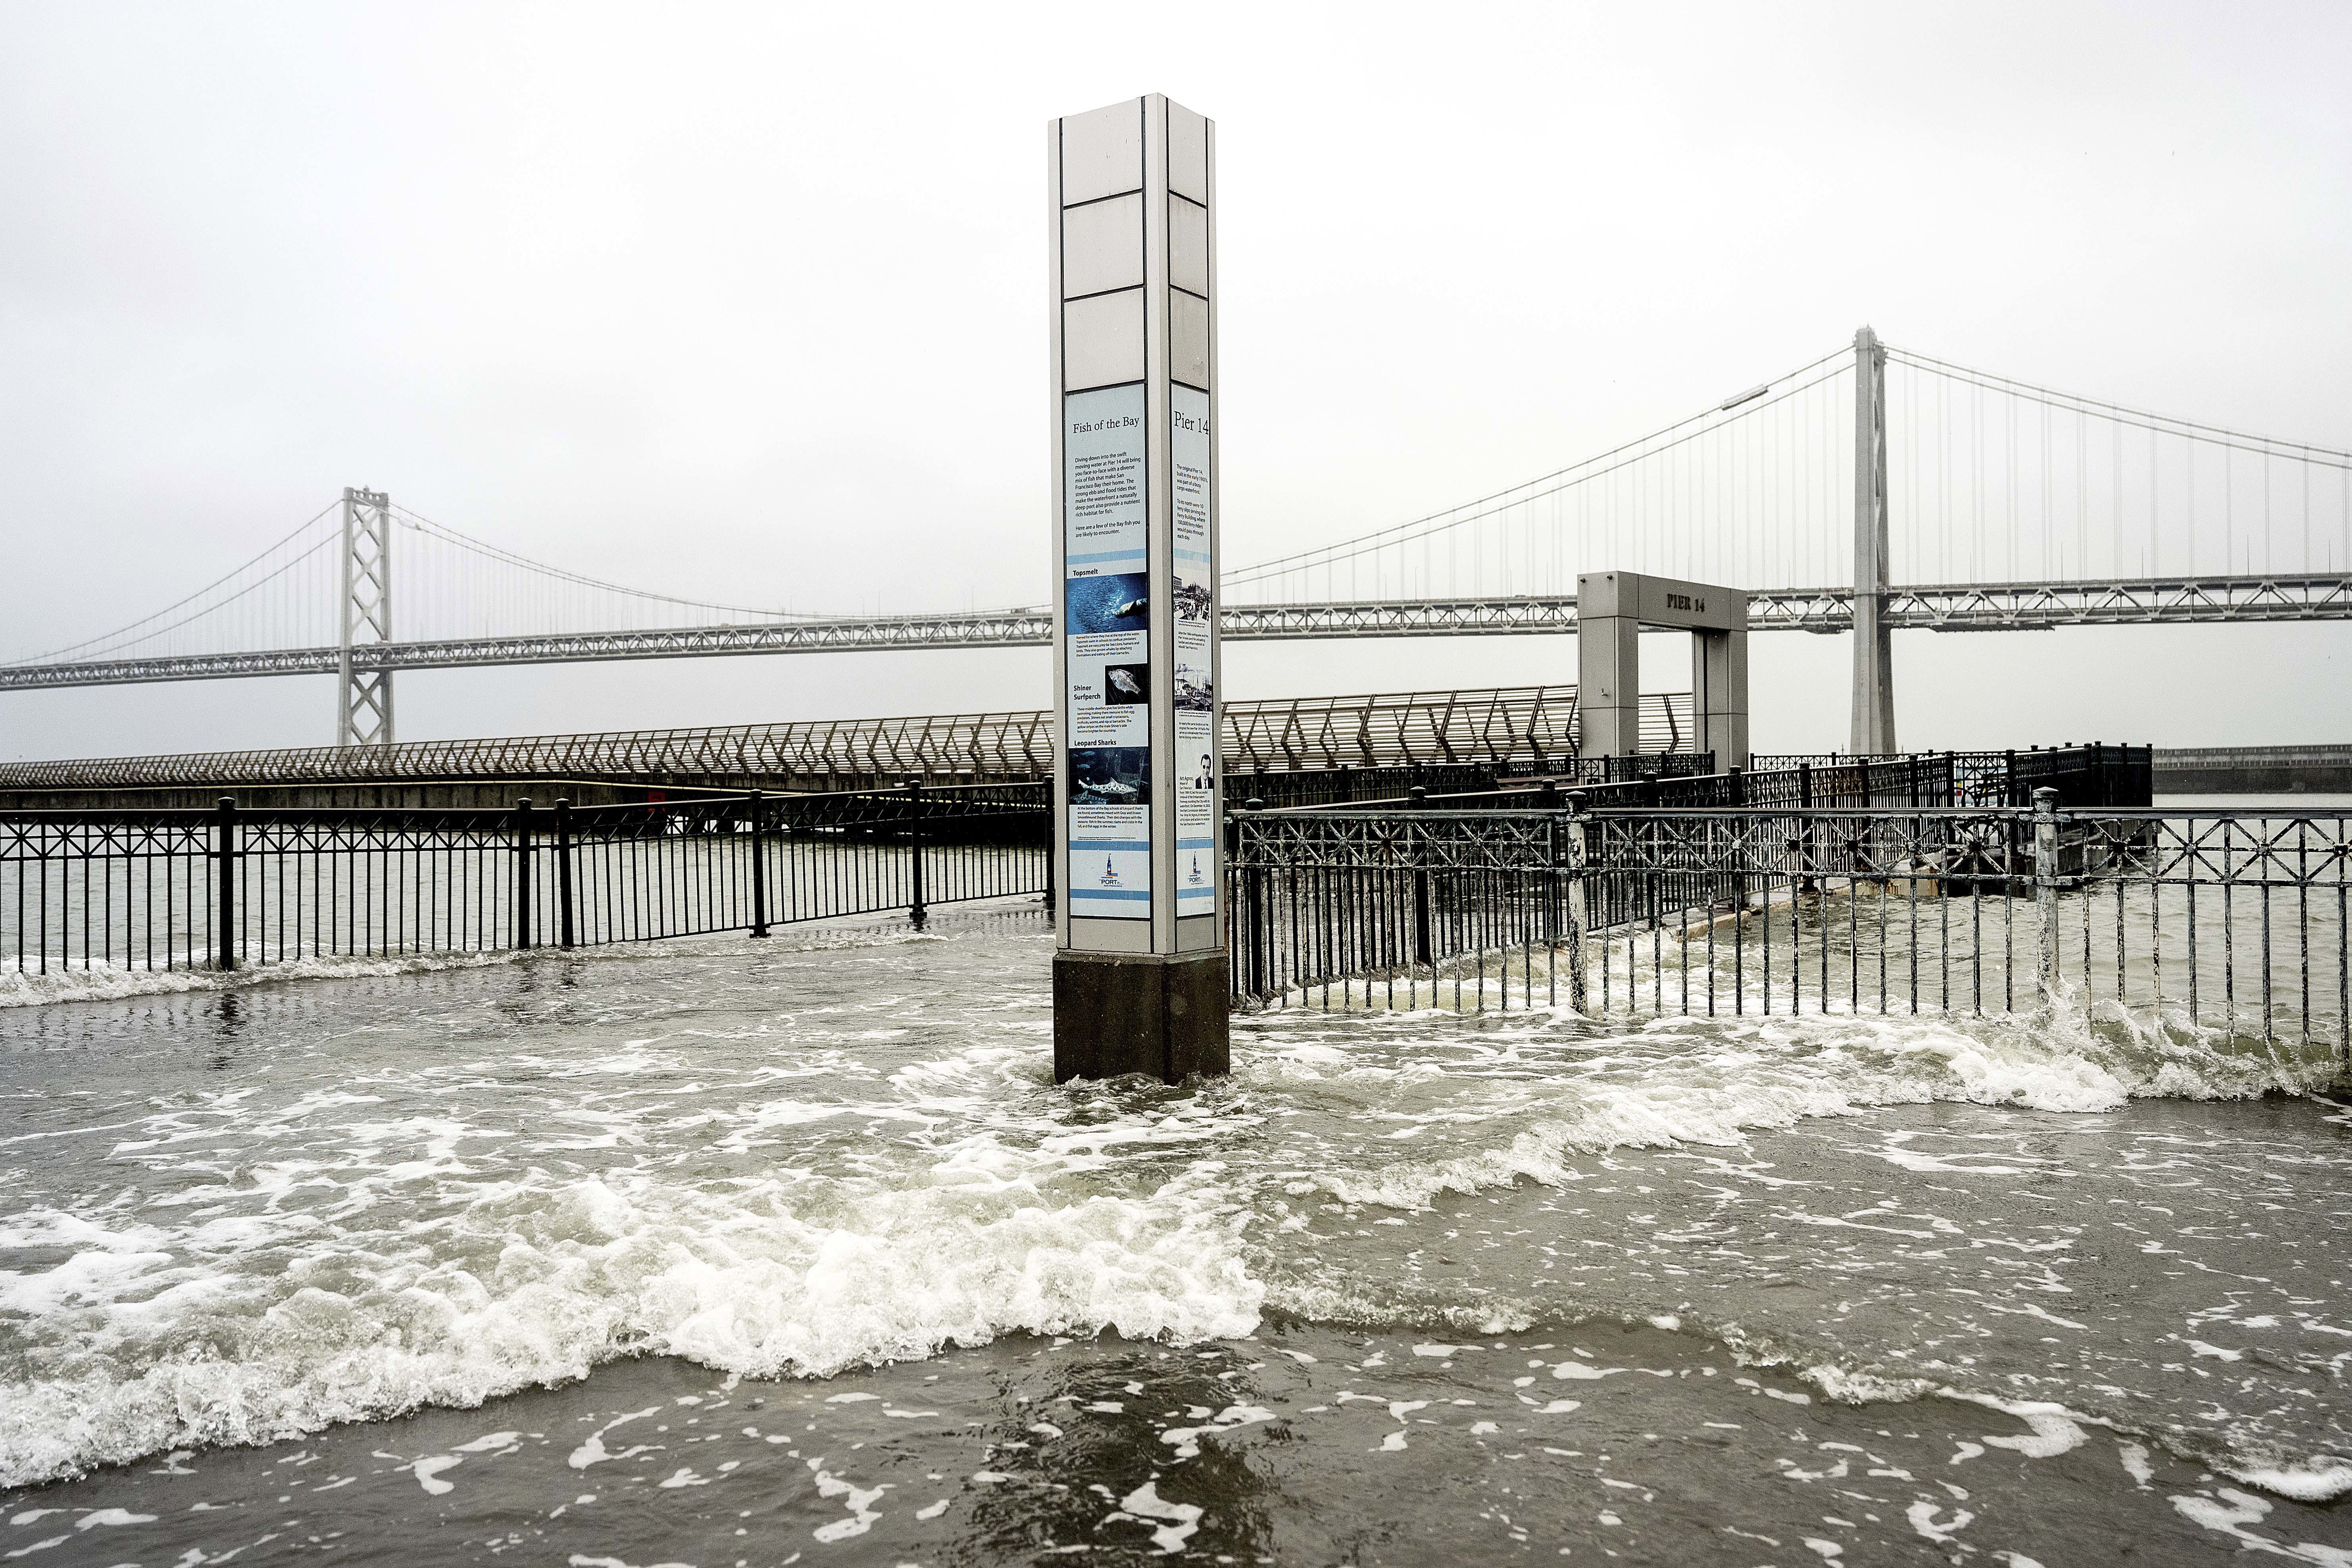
(1872, 490)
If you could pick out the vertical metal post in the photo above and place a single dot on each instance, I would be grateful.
(522, 873)
(1874, 675)
(760, 865)
(1579, 905)
(224, 900)
(2045, 889)
(915, 912)
(564, 929)
(1420, 942)
(1260, 965)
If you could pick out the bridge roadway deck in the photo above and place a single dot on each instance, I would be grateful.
(1951, 607)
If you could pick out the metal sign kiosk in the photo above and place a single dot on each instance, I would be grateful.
(1139, 972)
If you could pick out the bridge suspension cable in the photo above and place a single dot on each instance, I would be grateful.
(1740, 490)
(1990, 480)
(1994, 479)
(239, 588)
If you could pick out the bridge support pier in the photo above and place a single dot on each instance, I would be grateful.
(363, 697)
(1873, 731)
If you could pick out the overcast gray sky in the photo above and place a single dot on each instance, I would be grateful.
(749, 302)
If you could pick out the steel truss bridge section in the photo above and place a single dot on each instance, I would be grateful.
(1939, 607)
(1947, 607)
(1530, 724)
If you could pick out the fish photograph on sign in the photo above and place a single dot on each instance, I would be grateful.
(1110, 775)
(1127, 684)
(1116, 602)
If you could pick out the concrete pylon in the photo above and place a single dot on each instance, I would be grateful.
(1873, 731)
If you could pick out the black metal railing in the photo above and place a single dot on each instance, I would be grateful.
(225, 888)
(2096, 774)
(2227, 928)
(1437, 781)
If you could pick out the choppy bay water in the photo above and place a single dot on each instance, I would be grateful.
(728, 1251)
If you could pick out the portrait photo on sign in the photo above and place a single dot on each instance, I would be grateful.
(1117, 603)
(1125, 684)
(1110, 775)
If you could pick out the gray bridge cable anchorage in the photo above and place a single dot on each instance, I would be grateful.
(2172, 600)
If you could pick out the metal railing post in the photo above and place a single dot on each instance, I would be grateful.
(564, 917)
(522, 873)
(1579, 903)
(915, 912)
(1260, 963)
(224, 900)
(759, 867)
(2045, 889)
(1421, 944)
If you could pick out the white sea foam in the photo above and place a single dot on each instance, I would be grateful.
(1700, 1082)
(358, 1246)
(145, 1345)
(109, 983)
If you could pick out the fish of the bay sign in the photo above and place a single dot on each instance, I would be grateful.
(1139, 972)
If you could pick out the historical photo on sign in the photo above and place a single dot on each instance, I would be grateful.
(1119, 602)
(1194, 691)
(1193, 600)
(1110, 775)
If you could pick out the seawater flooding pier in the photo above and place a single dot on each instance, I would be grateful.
(1963, 884)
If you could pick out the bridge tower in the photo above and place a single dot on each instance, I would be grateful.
(363, 697)
(1874, 672)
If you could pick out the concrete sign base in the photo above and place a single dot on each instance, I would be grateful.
(1165, 1016)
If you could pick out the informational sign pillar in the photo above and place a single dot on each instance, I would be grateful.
(1139, 977)
(1612, 610)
